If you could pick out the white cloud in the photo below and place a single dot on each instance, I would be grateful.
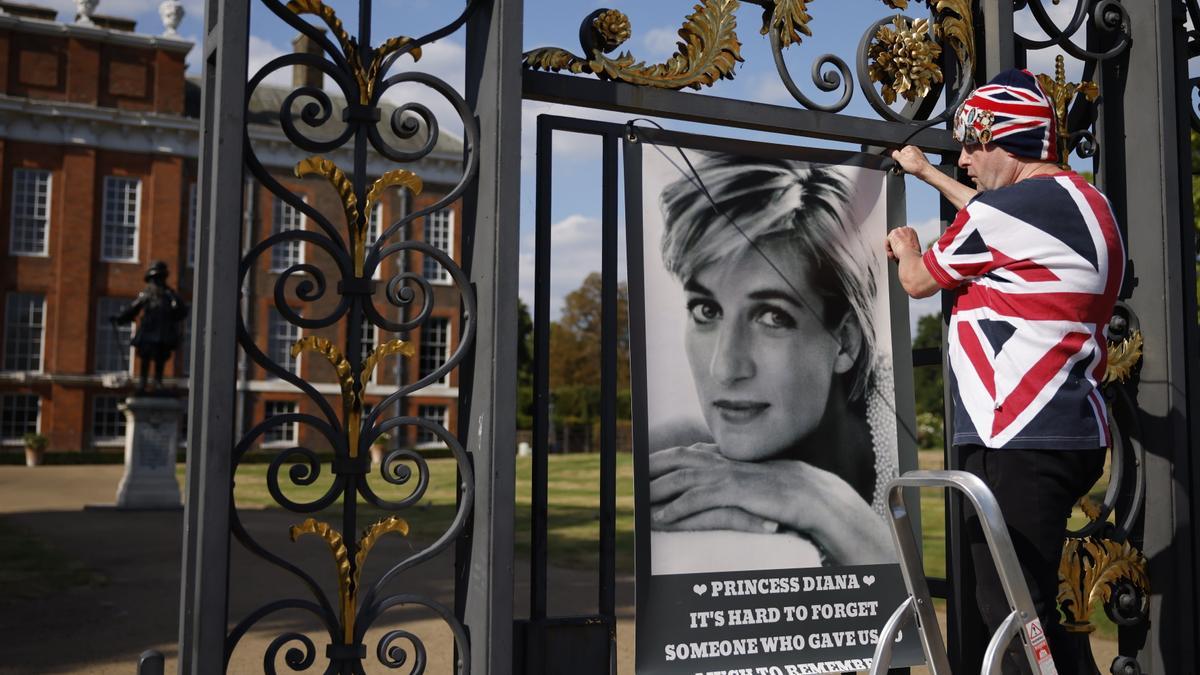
(659, 43)
(1043, 60)
(575, 253)
(260, 52)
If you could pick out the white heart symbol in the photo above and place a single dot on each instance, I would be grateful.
(869, 579)
(700, 589)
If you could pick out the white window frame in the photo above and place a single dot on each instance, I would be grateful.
(276, 216)
(366, 327)
(9, 298)
(444, 422)
(106, 440)
(191, 226)
(442, 277)
(37, 425)
(374, 229)
(293, 428)
(12, 233)
(272, 314)
(104, 330)
(137, 218)
(445, 381)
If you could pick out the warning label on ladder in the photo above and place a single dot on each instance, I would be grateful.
(1041, 649)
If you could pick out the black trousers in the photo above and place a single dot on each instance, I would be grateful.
(1035, 490)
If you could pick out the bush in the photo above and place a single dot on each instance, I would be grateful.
(930, 430)
(36, 442)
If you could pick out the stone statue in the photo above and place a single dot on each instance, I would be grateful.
(157, 333)
(171, 12)
(84, 10)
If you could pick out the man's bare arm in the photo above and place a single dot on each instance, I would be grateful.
(913, 161)
(904, 247)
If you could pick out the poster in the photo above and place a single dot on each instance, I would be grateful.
(764, 405)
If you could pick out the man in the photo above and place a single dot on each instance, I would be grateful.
(1034, 262)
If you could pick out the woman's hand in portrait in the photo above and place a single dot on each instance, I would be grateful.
(697, 488)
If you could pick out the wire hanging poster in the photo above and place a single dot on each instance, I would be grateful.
(765, 424)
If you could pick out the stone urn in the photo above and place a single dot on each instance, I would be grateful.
(35, 449)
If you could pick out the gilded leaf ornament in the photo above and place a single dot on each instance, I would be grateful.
(1061, 93)
(356, 218)
(351, 391)
(341, 563)
(1089, 570)
(349, 576)
(707, 51)
(789, 18)
(386, 349)
(903, 59)
(955, 24)
(1122, 357)
(366, 75)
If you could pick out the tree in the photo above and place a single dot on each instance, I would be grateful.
(575, 337)
(524, 344)
(575, 352)
(927, 380)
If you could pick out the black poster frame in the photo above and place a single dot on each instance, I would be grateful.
(901, 344)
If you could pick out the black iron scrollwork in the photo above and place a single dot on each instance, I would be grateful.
(323, 122)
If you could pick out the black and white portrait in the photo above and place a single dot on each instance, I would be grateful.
(768, 396)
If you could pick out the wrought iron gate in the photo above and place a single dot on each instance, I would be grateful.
(1134, 52)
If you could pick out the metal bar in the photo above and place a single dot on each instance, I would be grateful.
(997, 40)
(993, 658)
(1149, 193)
(204, 602)
(905, 540)
(926, 356)
(905, 613)
(708, 109)
(541, 372)
(491, 250)
(994, 530)
(151, 662)
(608, 381)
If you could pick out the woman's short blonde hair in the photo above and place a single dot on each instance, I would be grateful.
(774, 200)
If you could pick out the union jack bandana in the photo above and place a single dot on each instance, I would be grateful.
(1013, 112)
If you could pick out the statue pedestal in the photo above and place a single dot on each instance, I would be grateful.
(151, 446)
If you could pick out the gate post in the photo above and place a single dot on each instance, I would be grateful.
(487, 419)
(1146, 161)
(204, 596)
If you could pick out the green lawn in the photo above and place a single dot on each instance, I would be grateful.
(574, 526)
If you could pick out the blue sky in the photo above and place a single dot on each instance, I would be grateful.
(576, 203)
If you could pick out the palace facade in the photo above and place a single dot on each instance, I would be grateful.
(99, 133)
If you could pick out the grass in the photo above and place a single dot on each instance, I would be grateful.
(573, 524)
(29, 569)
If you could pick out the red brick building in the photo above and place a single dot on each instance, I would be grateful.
(98, 139)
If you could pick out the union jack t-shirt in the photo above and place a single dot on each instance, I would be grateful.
(1035, 268)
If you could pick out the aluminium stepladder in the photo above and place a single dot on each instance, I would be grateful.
(1021, 621)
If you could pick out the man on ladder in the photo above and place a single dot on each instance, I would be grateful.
(1034, 262)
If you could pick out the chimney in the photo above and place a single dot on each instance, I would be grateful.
(304, 76)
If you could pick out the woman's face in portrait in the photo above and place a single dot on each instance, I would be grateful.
(762, 359)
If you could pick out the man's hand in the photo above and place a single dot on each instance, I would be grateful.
(904, 247)
(903, 242)
(912, 160)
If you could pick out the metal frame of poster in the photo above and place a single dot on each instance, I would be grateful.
(722, 585)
